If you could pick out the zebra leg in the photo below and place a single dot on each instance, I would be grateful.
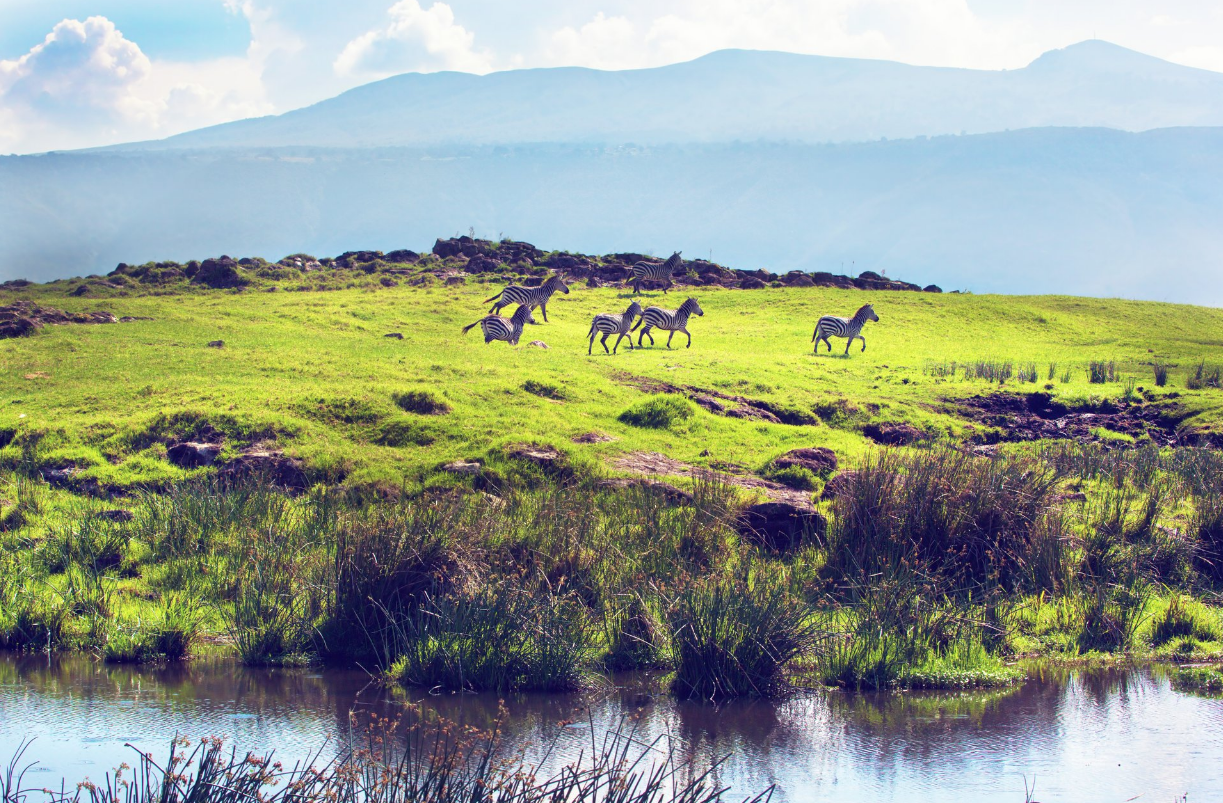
(848, 343)
(645, 332)
(592, 342)
(544, 309)
(670, 335)
(604, 342)
(689, 334)
(636, 286)
(620, 337)
(863, 339)
(828, 343)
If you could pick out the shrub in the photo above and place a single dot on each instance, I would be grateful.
(421, 402)
(734, 638)
(1161, 374)
(658, 412)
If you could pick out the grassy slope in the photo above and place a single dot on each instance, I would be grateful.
(295, 361)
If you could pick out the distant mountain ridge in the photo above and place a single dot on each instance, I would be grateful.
(738, 95)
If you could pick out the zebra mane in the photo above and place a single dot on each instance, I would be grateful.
(672, 261)
(861, 311)
(554, 280)
(688, 304)
(523, 312)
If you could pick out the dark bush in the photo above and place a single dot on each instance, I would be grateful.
(421, 402)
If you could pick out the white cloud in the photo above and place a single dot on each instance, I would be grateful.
(86, 84)
(413, 39)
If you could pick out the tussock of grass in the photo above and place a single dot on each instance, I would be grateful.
(658, 412)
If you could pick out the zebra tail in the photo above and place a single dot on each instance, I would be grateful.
(815, 334)
(468, 328)
(499, 292)
(591, 333)
(639, 320)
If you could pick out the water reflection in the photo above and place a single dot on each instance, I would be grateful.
(1109, 734)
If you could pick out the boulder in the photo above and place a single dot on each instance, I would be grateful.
(219, 273)
(818, 460)
(387, 281)
(461, 467)
(452, 281)
(17, 326)
(190, 454)
(482, 264)
(752, 283)
(216, 344)
(447, 248)
(932, 288)
(394, 335)
(780, 526)
(402, 256)
(801, 280)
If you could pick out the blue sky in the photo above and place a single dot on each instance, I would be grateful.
(75, 73)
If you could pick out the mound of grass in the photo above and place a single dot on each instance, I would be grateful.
(664, 411)
(543, 390)
(402, 433)
(421, 402)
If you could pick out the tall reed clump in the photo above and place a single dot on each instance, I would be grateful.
(502, 637)
(1161, 374)
(735, 637)
(966, 522)
(1101, 371)
(387, 562)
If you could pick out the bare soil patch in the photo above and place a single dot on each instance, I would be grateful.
(719, 403)
(1037, 416)
(655, 464)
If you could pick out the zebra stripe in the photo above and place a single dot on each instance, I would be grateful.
(612, 324)
(508, 329)
(673, 321)
(528, 296)
(656, 271)
(832, 326)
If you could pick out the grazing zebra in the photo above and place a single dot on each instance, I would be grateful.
(497, 328)
(611, 324)
(528, 296)
(832, 326)
(677, 321)
(657, 271)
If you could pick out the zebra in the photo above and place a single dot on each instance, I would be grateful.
(612, 324)
(677, 321)
(830, 325)
(529, 296)
(655, 270)
(497, 328)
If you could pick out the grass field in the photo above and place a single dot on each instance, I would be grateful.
(930, 566)
(314, 372)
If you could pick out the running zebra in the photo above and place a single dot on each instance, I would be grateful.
(612, 324)
(677, 321)
(832, 326)
(528, 296)
(659, 271)
(508, 329)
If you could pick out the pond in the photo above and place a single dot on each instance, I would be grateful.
(1090, 735)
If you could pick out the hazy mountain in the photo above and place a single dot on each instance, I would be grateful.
(1082, 211)
(736, 95)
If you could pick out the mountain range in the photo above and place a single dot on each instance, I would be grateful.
(1030, 180)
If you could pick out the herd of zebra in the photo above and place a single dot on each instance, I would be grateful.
(495, 327)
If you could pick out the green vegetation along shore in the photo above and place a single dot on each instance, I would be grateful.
(994, 477)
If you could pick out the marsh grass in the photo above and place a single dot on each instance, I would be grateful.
(1100, 372)
(1160, 371)
(389, 763)
(736, 637)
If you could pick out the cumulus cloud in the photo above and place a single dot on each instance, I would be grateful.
(83, 71)
(413, 39)
(86, 84)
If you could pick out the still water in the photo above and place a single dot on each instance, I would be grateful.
(1100, 735)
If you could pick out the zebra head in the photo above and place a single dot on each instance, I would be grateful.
(555, 282)
(522, 316)
(692, 307)
(633, 311)
(867, 313)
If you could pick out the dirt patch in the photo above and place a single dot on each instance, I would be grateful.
(719, 403)
(655, 464)
(891, 433)
(23, 318)
(592, 437)
(1037, 416)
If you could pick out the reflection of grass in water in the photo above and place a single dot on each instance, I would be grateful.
(917, 710)
(1206, 680)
